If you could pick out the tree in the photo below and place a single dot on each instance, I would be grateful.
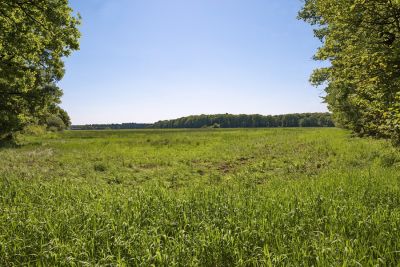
(238, 121)
(308, 122)
(56, 118)
(55, 123)
(35, 35)
(63, 115)
(361, 40)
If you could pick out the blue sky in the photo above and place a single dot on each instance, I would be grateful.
(148, 60)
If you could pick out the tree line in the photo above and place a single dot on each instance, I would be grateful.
(113, 126)
(249, 121)
(224, 121)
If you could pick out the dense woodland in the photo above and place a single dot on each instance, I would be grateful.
(225, 121)
(113, 126)
(361, 41)
(249, 121)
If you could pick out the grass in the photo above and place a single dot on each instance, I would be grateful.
(246, 197)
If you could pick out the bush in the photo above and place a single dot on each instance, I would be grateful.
(55, 123)
(35, 130)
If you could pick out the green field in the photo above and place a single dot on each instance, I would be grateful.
(247, 197)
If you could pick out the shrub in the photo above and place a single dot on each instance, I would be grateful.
(55, 123)
(35, 130)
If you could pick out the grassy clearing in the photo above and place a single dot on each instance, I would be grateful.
(296, 197)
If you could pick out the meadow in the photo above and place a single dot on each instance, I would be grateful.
(206, 197)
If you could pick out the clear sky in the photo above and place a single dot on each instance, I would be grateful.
(147, 60)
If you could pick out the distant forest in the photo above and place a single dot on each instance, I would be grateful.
(111, 126)
(226, 121)
(249, 121)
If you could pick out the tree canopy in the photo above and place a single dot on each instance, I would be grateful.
(35, 36)
(361, 40)
(114, 126)
(249, 121)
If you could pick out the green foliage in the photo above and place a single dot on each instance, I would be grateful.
(57, 119)
(225, 121)
(238, 197)
(249, 121)
(35, 130)
(63, 115)
(361, 40)
(111, 126)
(308, 122)
(55, 123)
(35, 36)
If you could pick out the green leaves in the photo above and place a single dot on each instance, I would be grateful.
(34, 37)
(361, 40)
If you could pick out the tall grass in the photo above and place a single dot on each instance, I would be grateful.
(294, 197)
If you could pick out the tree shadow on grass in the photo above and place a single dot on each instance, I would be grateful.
(8, 143)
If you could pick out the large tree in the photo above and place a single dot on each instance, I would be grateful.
(361, 40)
(35, 36)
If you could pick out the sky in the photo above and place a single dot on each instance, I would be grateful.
(150, 60)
